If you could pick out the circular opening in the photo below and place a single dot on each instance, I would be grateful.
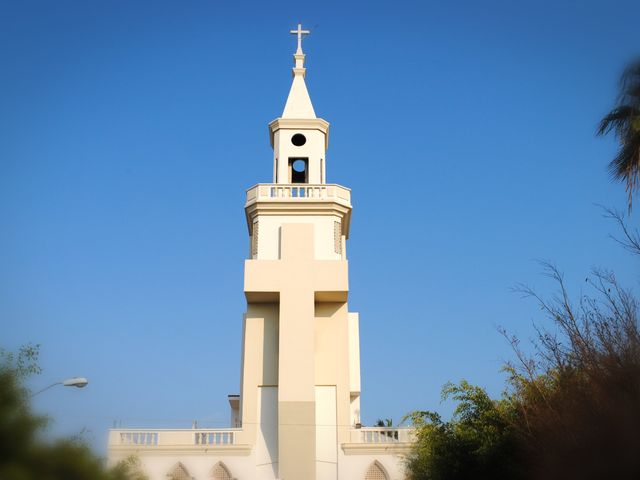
(298, 140)
(299, 166)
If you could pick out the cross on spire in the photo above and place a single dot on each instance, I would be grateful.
(300, 33)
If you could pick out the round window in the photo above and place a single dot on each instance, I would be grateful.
(299, 165)
(298, 140)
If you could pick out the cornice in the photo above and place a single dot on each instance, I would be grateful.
(218, 450)
(300, 124)
(376, 448)
(320, 207)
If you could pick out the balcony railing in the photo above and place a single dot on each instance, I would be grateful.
(177, 437)
(227, 437)
(279, 192)
(382, 435)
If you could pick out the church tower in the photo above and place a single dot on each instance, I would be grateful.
(301, 372)
(297, 416)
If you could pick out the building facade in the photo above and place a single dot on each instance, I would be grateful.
(298, 413)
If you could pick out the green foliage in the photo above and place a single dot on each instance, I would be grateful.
(24, 455)
(24, 363)
(386, 423)
(478, 442)
(570, 410)
(128, 469)
(18, 426)
(577, 399)
(624, 121)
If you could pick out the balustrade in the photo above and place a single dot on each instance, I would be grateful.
(385, 435)
(216, 437)
(177, 437)
(298, 191)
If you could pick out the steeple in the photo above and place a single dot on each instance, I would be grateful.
(299, 103)
(297, 416)
(299, 139)
(301, 371)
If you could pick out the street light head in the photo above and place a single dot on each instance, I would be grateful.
(78, 382)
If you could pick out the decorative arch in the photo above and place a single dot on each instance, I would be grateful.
(179, 472)
(376, 472)
(220, 472)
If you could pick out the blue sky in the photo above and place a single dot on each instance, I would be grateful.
(129, 132)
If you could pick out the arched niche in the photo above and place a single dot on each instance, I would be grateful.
(179, 472)
(376, 472)
(220, 472)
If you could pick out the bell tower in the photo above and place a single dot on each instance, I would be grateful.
(297, 416)
(301, 368)
(299, 139)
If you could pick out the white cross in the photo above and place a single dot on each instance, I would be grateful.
(300, 33)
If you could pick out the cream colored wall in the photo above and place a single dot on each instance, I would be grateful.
(354, 467)
(332, 355)
(198, 464)
(313, 149)
(354, 352)
(249, 467)
(269, 235)
(259, 363)
(266, 449)
(326, 434)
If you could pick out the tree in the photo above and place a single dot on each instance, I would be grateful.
(576, 398)
(478, 442)
(128, 469)
(386, 423)
(18, 427)
(570, 408)
(24, 455)
(624, 121)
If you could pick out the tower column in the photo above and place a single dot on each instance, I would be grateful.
(296, 364)
(296, 279)
(296, 386)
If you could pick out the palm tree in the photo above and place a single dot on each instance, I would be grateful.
(624, 121)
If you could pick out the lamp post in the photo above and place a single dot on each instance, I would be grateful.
(78, 382)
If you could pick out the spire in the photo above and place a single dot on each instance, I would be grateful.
(299, 103)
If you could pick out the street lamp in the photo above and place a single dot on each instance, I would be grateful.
(78, 382)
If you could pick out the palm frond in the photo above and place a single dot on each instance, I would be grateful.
(624, 121)
(630, 86)
(625, 166)
(619, 119)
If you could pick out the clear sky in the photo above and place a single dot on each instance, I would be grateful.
(129, 131)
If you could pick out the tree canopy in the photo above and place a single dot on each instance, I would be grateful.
(569, 410)
(24, 454)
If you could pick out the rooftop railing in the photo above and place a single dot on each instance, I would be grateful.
(382, 435)
(173, 437)
(228, 437)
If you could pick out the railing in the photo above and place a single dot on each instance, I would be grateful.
(228, 437)
(177, 437)
(215, 437)
(139, 438)
(382, 435)
(298, 192)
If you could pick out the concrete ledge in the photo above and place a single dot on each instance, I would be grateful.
(222, 450)
(376, 448)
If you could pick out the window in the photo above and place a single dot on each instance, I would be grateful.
(298, 170)
(298, 140)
